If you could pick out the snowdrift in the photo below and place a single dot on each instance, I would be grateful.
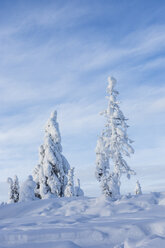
(82, 222)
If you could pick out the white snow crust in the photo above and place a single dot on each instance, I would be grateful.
(81, 222)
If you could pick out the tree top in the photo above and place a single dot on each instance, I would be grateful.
(111, 83)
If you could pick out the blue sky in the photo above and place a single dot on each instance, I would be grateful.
(58, 55)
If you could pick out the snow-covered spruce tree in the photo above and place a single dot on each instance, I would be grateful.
(16, 189)
(138, 190)
(27, 190)
(78, 191)
(13, 189)
(112, 145)
(69, 190)
(51, 173)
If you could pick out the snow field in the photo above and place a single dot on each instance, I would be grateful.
(81, 222)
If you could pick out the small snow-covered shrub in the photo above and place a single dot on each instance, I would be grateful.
(13, 189)
(69, 190)
(27, 190)
(138, 190)
(16, 189)
(78, 191)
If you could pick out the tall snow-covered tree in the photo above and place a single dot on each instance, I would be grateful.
(51, 173)
(13, 189)
(113, 145)
(69, 190)
(27, 190)
(138, 190)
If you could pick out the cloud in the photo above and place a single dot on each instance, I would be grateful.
(158, 105)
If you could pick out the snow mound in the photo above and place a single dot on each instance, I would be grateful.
(81, 222)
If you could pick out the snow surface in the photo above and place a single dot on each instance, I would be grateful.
(81, 222)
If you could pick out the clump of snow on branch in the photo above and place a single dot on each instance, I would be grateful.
(112, 146)
(110, 185)
(102, 161)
